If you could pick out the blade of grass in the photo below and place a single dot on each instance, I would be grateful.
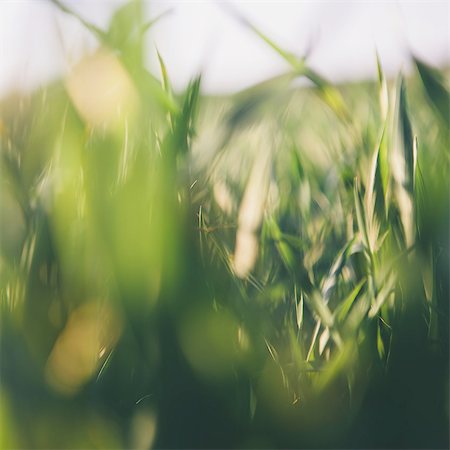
(437, 93)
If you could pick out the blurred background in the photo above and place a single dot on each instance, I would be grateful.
(224, 224)
(40, 43)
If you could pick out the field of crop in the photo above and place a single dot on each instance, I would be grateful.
(264, 270)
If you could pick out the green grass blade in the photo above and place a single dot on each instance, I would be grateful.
(318, 305)
(403, 163)
(361, 216)
(437, 93)
(346, 304)
(98, 32)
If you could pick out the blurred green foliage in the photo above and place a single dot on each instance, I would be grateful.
(266, 270)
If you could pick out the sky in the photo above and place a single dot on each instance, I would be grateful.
(38, 43)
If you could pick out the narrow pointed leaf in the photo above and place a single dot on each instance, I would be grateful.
(437, 93)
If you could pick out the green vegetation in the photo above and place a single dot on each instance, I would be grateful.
(266, 270)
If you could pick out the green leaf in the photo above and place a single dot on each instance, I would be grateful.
(360, 216)
(318, 305)
(340, 364)
(371, 193)
(296, 63)
(126, 29)
(165, 78)
(98, 32)
(383, 295)
(184, 122)
(345, 305)
(329, 94)
(272, 351)
(166, 85)
(330, 280)
(403, 160)
(124, 24)
(380, 344)
(383, 90)
(382, 175)
(437, 93)
(407, 137)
